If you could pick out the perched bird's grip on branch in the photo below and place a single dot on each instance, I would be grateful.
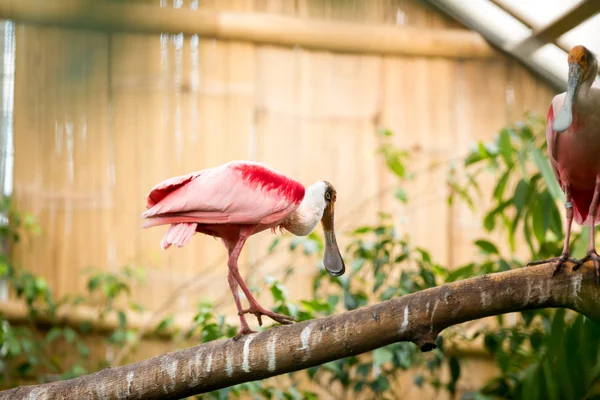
(418, 317)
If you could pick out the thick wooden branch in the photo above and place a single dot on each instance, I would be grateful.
(417, 317)
(313, 34)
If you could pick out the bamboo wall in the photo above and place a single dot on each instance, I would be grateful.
(100, 118)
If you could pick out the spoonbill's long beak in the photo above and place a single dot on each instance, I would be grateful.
(334, 264)
(564, 118)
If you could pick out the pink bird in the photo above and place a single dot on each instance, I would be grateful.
(573, 139)
(234, 201)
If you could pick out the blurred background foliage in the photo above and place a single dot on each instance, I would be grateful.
(523, 217)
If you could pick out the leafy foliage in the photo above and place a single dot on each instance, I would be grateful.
(545, 354)
(539, 356)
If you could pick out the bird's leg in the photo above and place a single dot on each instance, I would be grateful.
(565, 255)
(592, 254)
(244, 328)
(254, 308)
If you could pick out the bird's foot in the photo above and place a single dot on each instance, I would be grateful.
(244, 330)
(559, 262)
(259, 311)
(591, 255)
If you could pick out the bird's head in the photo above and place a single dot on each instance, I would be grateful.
(333, 262)
(583, 67)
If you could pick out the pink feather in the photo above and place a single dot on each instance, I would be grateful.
(217, 200)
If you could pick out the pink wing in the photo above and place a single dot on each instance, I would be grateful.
(239, 192)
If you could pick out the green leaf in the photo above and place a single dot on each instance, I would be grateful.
(273, 245)
(385, 132)
(395, 163)
(70, 335)
(505, 147)
(4, 270)
(277, 292)
(539, 217)
(381, 356)
(487, 246)
(419, 380)
(122, 318)
(462, 272)
(546, 170)
(482, 150)
(82, 349)
(520, 197)
(503, 265)
(454, 369)
(401, 195)
(381, 384)
(379, 280)
(53, 334)
(581, 244)
(362, 230)
(501, 185)
(93, 283)
(164, 323)
(551, 387)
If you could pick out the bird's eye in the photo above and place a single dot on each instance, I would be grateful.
(583, 57)
(327, 196)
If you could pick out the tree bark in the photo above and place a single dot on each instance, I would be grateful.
(418, 317)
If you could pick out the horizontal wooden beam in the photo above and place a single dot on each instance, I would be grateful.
(16, 312)
(556, 28)
(74, 316)
(260, 28)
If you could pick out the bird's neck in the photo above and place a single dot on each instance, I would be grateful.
(306, 217)
(586, 98)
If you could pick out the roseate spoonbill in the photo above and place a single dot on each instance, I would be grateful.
(236, 200)
(573, 137)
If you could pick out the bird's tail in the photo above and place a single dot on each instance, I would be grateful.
(178, 234)
(582, 199)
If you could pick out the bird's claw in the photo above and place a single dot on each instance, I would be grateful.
(559, 262)
(591, 255)
(259, 311)
(244, 330)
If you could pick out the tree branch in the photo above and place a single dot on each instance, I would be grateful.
(418, 317)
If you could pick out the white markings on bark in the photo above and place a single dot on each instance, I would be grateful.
(427, 309)
(576, 286)
(305, 337)
(271, 353)
(209, 363)
(228, 362)
(101, 391)
(539, 288)
(38, 394)
(320, 335)
(544, 291)
(130, 377)
(528, 295)
(195, 369)
(245, 362)
(171, 369)
(484, 299)
(404, 320)
(305, 340)
(345, 329)
(432, 314)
